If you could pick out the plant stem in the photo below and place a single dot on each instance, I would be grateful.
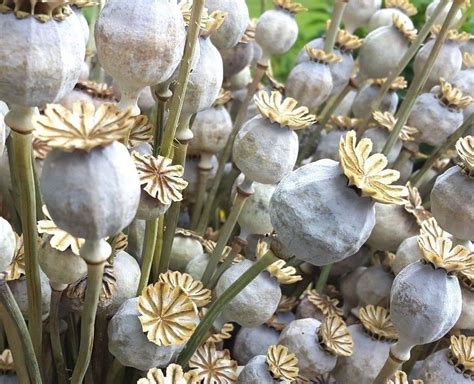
(155, 269)
(323, 278)
(201, 195)
(417, 178)
(237, 246)
(115, 373)
(183, 77)
(17, 334)
(55, 335)
(227, 151)
(392, 365)
(172, 216)
(19, 120)
(336, 18)
(216, 308)
(95, 253)
(410, 53)
(148, 253)
(160, 122)
(263, 6)
(224, 235)
(419, 81)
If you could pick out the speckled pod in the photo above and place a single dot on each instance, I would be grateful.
(196, 266)
(276, 33)
(184, 249)
(379, 137)
(153, 32)
(235, 22)
(317, 217)
(93, 194)
(435, 369)
(452, 203)
(448, 62)
(306, 309)
(300, 337)
(425, 304)
(366, 361)
(464, 80)
(361, 107)
(393, 224)
(254, 341)
(359, 12)
(265, 152)
(375, 60)
(466, 320)
(408, 252)
(83, 22)
(344, 108)
(433, 119)
(247, 308)
(149, 207)
(328, 145)
(43, 61)
(352, 262)
(236, 59)
(348, 288)
(442, 16)
(7, 244)
(240, 80)
(384, 17)
(130, 345)
(257, 372)
(374, 286)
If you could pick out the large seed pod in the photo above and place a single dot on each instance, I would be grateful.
(384, 17)
(43, 61)
(348, 288)
(186, 246)
(328, 145)
(374, 286)
(153, 32)
(236, 59)
(253, 341)
(442, 16)
(7, 244)
(256, 371)
(361, 107)
(408, 252)
(358, 13)
(438, 368)
(236, 21)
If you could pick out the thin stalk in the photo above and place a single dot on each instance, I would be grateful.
(95, 253)
(201, 195)
(336, 18)
(172, 215)
(417, 178)
(216, 308)
(160, 123)
(99, 352)
(227, 151)
(183, 77)
(410, 53)
(323, 278)
(263, 6)
(115, 373)
(224, 235)
(467, 13)
(419, 81)
(148, 253)
(55, 336)
(237, 246)
(392, 365)
(18, 336)
(72, 337)
(155, 271)
(91, 41)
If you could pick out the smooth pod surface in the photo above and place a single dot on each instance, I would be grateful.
(235, 22)
(7, 244)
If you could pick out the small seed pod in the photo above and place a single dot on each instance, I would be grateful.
(324, 211)
(317, 345)
(449, 60)
(240, 81)
(266, 148)
(154, 37)
(43, 61)
(384, 17)
(358, 13)
(310, 82)
(451, 365)
(375, 60)
(277, 29)
(254, 341)
(90, 91)
(452, 198)
(348, 289)
(372, 341)
(466, 320)
(186, 246)
(408, 252)
(130, 346)
(464, 80)
(438, 114)
(442, 16)
(278, 366)
(317, 306)
(86, 151)
(7, 244)
(237, 58)
(361, 107)
(352, 262)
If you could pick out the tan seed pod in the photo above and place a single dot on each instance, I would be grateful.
(403, 5)
(194, 289)
(408, 33)
(465, 149)
(346, 41)
(376, 321)
(283, 365)
(42, 11)
(327, 305)
(290, 6)
(334, 336)
(213, 366)
(174, 375)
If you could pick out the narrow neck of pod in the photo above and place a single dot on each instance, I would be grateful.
(95, 251)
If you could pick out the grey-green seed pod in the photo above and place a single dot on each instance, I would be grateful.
(359, 12)
(253, 341)
(379, 136)
(257, 372)
(436, 369)
(361, 107)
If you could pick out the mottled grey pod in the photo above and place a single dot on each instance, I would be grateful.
(466, 320)
(436, 369)
(130, 345)
(352, 262)
(235, 22)
(328, 145)
(196, 266)
(374, 286)
(408, 252)
(300, 337)
(367, 359)
(265, 152)
(149, 207)
(241, 80)
(442, 16)
(136, 235)
(93, 194)
(306, 309)
(359, 12)
(379, 136)
(318, 217)
(361, 107)
(344, 108)
(384, 17)
(425, 304)
(257, 372)
(43, 62)
(433, 119)
(184, 249)
(7, 244)
(452, 203)
(464, 80)
(348, 288)
(247, 308)
(191, 175)
(254, 341)
(236, 59)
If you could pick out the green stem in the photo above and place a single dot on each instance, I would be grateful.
(417, 178)
(336, 18)
(201, 196)
(227, 151)
(95, 253)
(263, 6)
(392, 365)
(224, 235)
(115, 373)
(419, 81)
(148, 253)
(18, 337)
(237, 246)
(323, 278)
(160, 123)
(54, 330)
(155, 271)
(216, 308)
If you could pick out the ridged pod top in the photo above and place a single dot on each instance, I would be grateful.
(334, 336)
(403, 5)
(290, 6)
(41, 10)
(408, 33)
(376, 321)
(453, 97)
(282, 364)
(174, 375)
(465, 149)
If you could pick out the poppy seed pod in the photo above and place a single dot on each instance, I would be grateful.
(384, 17)
(464, 80)
(186, 246)
(266, 148)
(466, 320)
(153, 32)
(7, 244)
(323, 212)
(359, 12)
(375, 60)
(236, 59)
(253, 341)
(44, 60)
(235, 23)
(408, 252)
(101, 192)
(442, 16)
